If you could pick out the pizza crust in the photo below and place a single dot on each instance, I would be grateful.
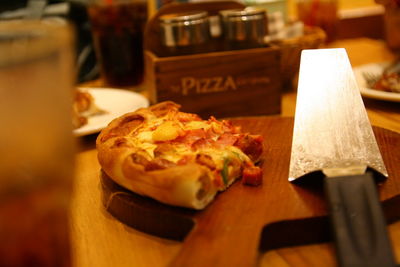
(183, 185)
(192, 185)
(186, 185)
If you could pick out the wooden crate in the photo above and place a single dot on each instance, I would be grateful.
(224, 84)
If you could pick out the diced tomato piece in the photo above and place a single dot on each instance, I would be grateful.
(251, 145)
(252, 176)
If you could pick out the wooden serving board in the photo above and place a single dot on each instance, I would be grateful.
(244, 220)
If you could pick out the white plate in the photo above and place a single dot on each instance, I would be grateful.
(375, 69)
(115, 102)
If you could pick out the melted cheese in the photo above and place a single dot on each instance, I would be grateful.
(149, 148)
(145, 137)
(229, 152)
(160, 129)
(192, 125)
(167, 131)
(180, 150)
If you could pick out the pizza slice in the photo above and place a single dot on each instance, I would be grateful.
(83, 107)
(176, 157)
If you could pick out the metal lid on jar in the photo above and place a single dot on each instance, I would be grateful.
(182, 18)
(249, 24)
(184, 29)
(249, 13)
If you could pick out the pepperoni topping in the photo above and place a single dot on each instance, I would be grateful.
(124, 127)
(120, 142)
(163, 108)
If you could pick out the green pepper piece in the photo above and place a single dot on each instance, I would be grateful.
(224, 171)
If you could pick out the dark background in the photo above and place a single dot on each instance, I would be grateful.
(77, 15)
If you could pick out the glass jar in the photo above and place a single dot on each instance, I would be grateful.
(244, 28)
(185, 33)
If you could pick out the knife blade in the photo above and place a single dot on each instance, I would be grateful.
(332, 135)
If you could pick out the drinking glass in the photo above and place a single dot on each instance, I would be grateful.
(320, 13)
(36, 142)
(117, 30)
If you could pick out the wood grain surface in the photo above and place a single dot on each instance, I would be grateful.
(98, 239)
(245, 220)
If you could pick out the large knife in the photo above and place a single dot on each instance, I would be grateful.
(332, 135)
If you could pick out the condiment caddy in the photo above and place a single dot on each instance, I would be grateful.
(229, 74)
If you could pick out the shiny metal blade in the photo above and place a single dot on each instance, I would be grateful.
(332, 132)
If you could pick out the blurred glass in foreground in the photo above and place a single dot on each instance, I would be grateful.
(36, 143)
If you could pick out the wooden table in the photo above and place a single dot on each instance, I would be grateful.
(100, 240)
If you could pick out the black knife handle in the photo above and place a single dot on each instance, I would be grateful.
(359, 228)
